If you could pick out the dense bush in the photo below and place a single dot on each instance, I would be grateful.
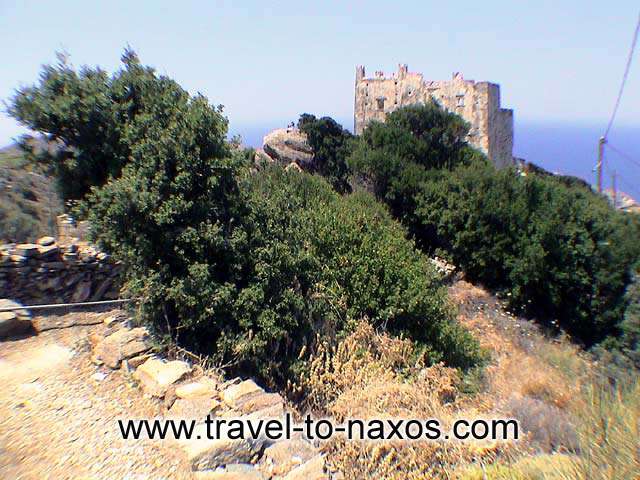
(331, 145)
(250, 268)
(557, 250)
(254, 287)
(336, 260)
(559, 253)
(87, 114)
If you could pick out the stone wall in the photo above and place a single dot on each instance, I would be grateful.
(48, 272)
(477, 102)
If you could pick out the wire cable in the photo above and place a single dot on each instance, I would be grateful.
(623, 155)
(624, 77)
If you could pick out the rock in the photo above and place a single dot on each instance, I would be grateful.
(48, 251)
(274, 411)
(135, 362)
(82, 292)
(311, 470)
(122, 345)
(258, 401)
(51, 322)
(19, 259)
(192, 408)
(14, 322)
(282, 457)
(155, 376)
(27, 250)
(233, 471)
(234, 394)
(203, 387)
(261, 157)
(289, 145)
(11, 324)
(46, 241)
(205, 454)
(102, 289)
(54, 265)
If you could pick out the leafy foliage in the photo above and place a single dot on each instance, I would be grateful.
(555, 249)
(89, 114)
(560, 253)
(251, 268)
(331, 146)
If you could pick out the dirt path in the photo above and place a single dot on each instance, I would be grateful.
(58, 414)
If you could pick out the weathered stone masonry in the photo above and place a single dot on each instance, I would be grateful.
(477, 102)
(50, 271)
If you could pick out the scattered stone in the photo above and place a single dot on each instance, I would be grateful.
(135, 362)
(233, 471)
(193, 408)
(205, 454)
(274, 411)
(282, 457)
(10, 324)
(14, 322)
(99, 376)
(234, 394)
(122, 345)
(46, 241)
(203, 387)
(258, 401)
(311, 470)
(51, 322)
(155, 376)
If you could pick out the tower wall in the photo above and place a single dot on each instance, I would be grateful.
(478, 103)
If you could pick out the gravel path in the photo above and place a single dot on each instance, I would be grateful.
(58, 414)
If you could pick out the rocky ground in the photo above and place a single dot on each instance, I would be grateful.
(58, 414)
(65, 388)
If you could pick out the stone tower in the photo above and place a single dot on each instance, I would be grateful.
(477, 102)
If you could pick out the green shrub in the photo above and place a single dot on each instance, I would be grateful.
(349, 260)
(554, 248)
(251, 269)
(560, 253)
(331, 145)
(87, 114)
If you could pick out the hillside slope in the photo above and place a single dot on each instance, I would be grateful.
(29, 202)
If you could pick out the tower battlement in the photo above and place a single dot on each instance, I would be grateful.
(477, 102)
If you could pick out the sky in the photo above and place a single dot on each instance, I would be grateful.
(559, 63)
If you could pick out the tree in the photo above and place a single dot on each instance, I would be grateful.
(331, 145)
(87, 114)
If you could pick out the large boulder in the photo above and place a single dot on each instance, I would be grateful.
(289, 145)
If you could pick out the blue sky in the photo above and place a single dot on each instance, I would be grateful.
(558, 62)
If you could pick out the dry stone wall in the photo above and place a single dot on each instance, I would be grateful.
(49, 272)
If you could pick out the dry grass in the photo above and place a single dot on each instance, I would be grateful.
(375, 376)
(575, 427)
